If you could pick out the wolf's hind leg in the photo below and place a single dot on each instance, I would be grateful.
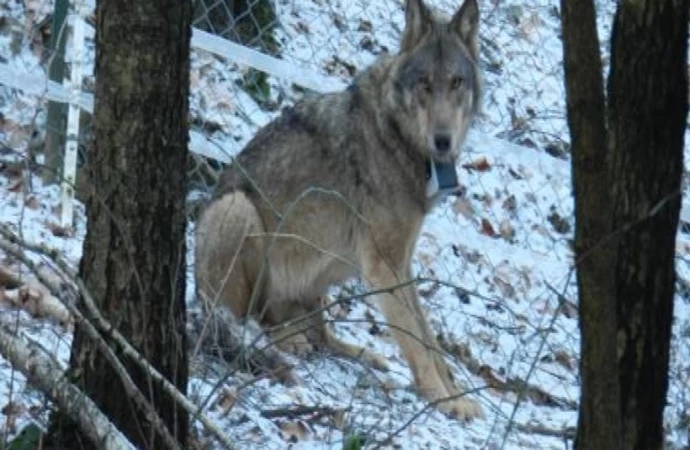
(290, 326)
(228, 254)
(300, 327)
(290, 339)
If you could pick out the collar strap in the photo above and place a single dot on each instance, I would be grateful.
(432, 186)
(441, 179)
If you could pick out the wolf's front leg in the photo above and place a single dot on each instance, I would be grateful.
(419, 345)
(455, 389)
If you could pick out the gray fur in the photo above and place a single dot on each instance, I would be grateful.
(371, 145)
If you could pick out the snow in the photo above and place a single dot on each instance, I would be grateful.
(502, 251)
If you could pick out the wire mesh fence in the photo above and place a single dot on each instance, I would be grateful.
(480, 299)
(494, 265)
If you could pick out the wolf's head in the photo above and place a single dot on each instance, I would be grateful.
(437, 83)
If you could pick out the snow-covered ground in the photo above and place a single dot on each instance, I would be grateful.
(501, 252)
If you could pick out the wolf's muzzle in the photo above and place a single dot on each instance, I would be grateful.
(442, 142)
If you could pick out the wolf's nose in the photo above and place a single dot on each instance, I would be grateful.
(442, 142)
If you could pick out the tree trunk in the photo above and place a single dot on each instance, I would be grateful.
(134, 252)
(599, 422)
(648, 100)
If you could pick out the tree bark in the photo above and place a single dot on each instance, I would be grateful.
(134, 251)
(648, 103)
(599, 421)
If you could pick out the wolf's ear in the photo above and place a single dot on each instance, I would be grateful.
(417, 23)
(466, 24)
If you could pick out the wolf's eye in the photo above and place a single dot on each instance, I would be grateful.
(425, 84)
(455, 83)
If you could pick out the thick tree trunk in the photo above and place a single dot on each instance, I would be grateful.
(134, 252)
(648, 100)
(599, 422)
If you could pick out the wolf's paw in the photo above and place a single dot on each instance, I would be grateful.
(375, 360)
(297, 344)
(463, 409)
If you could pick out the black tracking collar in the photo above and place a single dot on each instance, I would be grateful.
(441, 178)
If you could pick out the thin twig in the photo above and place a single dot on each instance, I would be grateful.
(521, 393)
(62, 291)
(419, 413)
(45, 375)
(110, 331)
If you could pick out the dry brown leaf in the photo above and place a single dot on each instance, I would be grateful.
(565, 359)
(16, 134)
(490, 378)
(226, 400)
(16, 184)
(506, 229)
(510, 204)
(487, 228)
(507, 289)
(463, 206)
(480, 165)
(59, 230)
(31, 300)
(32, 202)
(302, 27)
(559, 223)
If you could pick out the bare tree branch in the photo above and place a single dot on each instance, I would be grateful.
(62, 291)
(47, 377)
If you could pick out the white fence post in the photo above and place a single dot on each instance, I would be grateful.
(69, 175)
(70, 90)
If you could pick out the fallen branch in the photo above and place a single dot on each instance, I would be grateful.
(295, 412)
(64, 291)
(107, 329)
(32, 296)
(564, 433)
(46, 376)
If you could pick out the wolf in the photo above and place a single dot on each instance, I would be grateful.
(337, 186)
